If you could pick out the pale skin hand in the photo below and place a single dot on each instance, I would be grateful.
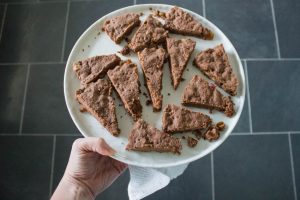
(90, 170)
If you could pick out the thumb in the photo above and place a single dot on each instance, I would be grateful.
(93, 144)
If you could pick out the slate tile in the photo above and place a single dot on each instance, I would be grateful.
(248, 24)
(287, 20)
(253, 167)
(33, 32)
(12, 82)
(274, 95)
(295, 140)
(45, 109)
(85, 13)
(243, 124)
(25, 167)
(62, 153)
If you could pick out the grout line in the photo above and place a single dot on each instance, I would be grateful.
(292, 166)
(64, 62)
(275, 28)
(3, 20)
(249, 99)
(78, 135)
(263, 133)
(37, 1)
(24, 99)
(32, 63)
(52, 166)
(212, 176)
(38, 134)
(65, 32)
(203, 9)
(271, 59)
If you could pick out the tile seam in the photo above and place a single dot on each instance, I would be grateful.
(24, 99)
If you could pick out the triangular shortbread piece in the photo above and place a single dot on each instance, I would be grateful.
(150, 34)
(179, 52)
(126, 82)
(179, 119)
(215, 65)
(180, 22)
(200, 93)
(91, 69)
(152, 61)
(96, 98)
(119, 27)
(144, 137)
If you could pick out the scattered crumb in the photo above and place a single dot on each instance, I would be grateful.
(114, 98)
(169, 94)
(127, 39)
(148, 102)
(183, 137)
(141, 14)
(160, 14)
(120, 104)
(145, 94)
(82, 109)
(187, 69)
(103, 29)
(192, 142)
(220, 126)
(150, 8)
(89, 46)
(121, 116)
(98, 33)
(82, 50)
(182, 79)
(122, 143)
(95, 38)
(213, 132)
(124, 51)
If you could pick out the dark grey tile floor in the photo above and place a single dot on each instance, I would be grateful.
(260, 160)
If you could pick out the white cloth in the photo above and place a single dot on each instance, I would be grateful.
(145, 181)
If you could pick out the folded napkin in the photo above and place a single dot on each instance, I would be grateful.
(145, 181)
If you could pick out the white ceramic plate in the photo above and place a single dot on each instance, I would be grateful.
(92, 43)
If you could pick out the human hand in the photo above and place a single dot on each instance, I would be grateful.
(90, 170)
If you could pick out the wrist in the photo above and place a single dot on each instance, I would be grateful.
(71, 188)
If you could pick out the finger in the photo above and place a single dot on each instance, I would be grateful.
(93, 144)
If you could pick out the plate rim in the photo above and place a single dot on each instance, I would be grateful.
(180, 162)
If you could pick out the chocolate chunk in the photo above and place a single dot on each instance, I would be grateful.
(93, 68)
(179, 21)
(201, 94)
(125, 51)
(144, 137)
(178, 119)
(119, 27)
(150, 34)
(148, 102)
(215, 65)
(197, 134)
(96, 99)
(152, 61)
(192, 142)
(179, 52)
(126, 82)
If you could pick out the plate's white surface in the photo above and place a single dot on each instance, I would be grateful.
(91, 43)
